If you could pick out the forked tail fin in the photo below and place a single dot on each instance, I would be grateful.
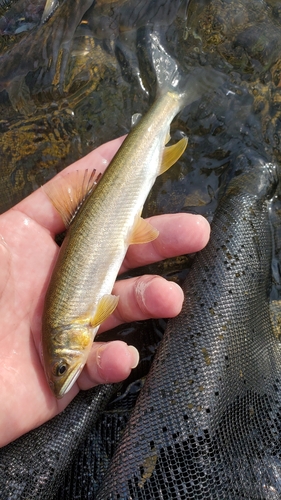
(189, 85)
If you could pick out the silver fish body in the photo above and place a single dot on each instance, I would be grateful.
(78, 298)
(96, 243)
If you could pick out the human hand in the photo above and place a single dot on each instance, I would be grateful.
(27, 255)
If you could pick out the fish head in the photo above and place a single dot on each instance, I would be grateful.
(64, 358)
(63, 372)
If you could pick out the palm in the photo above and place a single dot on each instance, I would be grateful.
(28, 253)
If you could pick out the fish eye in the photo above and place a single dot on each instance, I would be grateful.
(60, 368)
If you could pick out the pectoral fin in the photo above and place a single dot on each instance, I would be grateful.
(105, 308)
(69, 192)
(171, 154)
(143, 232)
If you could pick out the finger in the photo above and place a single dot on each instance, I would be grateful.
(108, 363)
(38, 206)
(144, 297)
(178, 234)
(140, 298)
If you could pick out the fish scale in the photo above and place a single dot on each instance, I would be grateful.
(215, 368)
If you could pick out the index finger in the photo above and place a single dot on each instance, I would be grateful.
(38, 206)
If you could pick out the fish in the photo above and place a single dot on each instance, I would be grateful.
(200, 416)
(79, 295)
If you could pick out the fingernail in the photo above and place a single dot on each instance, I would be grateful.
(134, 356)
(99, 354)
(203, 221)
(174, 285)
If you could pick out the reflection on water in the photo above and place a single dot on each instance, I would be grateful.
(69, 84)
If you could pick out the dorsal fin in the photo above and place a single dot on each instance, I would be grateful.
(69, 192)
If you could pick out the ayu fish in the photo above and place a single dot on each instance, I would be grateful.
(79, 296)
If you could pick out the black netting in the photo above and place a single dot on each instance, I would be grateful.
(33, 466)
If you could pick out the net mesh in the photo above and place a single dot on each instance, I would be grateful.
(33, 466)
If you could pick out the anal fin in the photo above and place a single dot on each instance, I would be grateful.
(171, 154)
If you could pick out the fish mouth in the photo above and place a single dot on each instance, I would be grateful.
(61, 389)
